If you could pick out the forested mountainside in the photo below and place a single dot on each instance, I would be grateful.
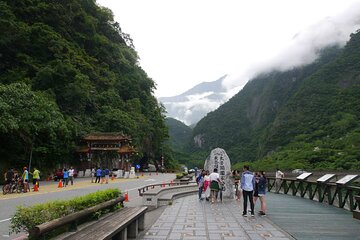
(307, 117)
(179, 134)
(67, 69)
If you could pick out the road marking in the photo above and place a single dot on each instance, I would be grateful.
(4, 220)
(149, 180)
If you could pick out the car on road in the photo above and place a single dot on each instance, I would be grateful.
(191, 171)
(298, 171)
(58, 175)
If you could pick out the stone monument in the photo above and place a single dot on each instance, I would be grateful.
(220, 160)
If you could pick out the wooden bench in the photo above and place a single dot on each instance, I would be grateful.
(71, 220)
(123, 224)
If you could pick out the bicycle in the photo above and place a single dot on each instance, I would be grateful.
(20, 186)
(9, 188)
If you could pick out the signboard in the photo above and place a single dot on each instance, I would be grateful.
(326, 178)
(304, 176)
(347, 179)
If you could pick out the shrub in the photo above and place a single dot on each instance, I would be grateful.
(26, 218)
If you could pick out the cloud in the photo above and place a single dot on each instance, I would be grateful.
(304, 47)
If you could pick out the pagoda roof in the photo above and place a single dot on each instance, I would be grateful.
(126, 149)
(106, 136)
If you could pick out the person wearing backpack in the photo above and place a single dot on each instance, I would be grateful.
(200, 182)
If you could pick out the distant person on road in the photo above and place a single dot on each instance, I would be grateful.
(247, 186)
(102, 175)
(93, 174)
(71, 175)
(107, 175)
(279, 175)
(9, 176)
(98, 175)
(25, 177)
(214, 184)
(36, 177)
(66, 177)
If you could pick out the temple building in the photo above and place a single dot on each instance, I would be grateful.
(110, 150)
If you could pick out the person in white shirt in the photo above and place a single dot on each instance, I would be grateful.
(214, 184)
(93, 174)
(279, 175)
(71, 175)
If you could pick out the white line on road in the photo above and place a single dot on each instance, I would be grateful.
(4, 220)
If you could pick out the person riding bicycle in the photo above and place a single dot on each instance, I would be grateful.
(9, 177)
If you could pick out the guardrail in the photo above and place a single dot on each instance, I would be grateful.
(142, 190)
(342, 196)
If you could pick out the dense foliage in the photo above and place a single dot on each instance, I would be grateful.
(26, 218)
(67, 66)
(307, 117)
(179, 134)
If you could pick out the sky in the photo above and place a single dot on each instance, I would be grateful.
(182, 43)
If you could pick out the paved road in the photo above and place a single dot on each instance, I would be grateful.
(50, 191)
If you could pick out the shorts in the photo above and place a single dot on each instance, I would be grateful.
(214, 185)
(26, 180)
(261, 194)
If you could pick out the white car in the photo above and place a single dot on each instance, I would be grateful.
(298, 171)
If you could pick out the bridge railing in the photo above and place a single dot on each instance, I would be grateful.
(342, 196)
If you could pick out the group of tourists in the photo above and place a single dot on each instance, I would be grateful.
(252, 186)
(68, 176)
(100, 174)
(13, 178)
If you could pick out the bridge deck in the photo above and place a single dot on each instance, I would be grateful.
(307, 219)
(288, 216)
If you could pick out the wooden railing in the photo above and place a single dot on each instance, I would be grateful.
(152, 186)
(72, 219)
(338, 195)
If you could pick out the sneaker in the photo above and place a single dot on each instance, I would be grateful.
(252, 215)
(263, 214)
(244, 215)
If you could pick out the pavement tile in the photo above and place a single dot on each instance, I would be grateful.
(188, 218)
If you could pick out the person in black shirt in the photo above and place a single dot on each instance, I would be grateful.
(9, 176)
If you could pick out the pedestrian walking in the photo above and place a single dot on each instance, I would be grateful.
(107, 175)
(36, 177)
(65, 177)
(71, 175)
(236, 175)
(247, 186)
(98, 175)
(214, 184)
(262, 191)
(25, 178)
(102, 175)
(200, 182)
(207, 185)
(93, 174)
(279, 175)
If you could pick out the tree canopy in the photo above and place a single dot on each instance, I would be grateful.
(79, 72)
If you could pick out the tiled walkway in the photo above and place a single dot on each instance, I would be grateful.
(189, 218)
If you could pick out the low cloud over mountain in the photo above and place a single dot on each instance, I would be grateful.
(192, 105)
